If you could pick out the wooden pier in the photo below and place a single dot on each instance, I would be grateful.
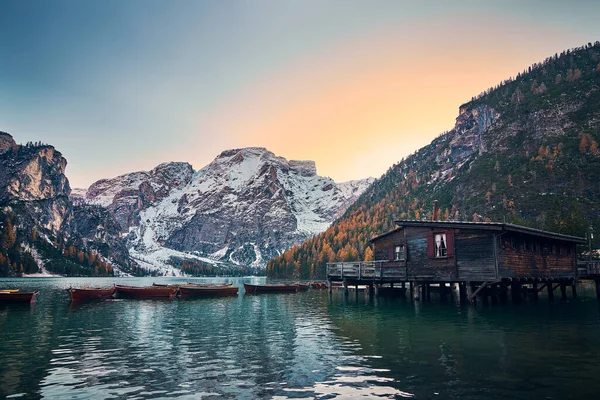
(491, 261)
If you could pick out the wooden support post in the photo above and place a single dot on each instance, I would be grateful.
(411, 288)
(330, 286)
(535, 291)
(417, 292)
(597, 288)
(427, 289)
(377, 287)
(483, 293)
(443, 292)
(345, 283)
(515, 291)
(403, 285)
(494, 294)
(503, 294)
(469, 287)
(462, 292)
(371, 289)
(563, 291)
(574, 288)
(550, 291)
(392, 285)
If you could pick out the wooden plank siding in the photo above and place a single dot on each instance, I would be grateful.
(475, 255)
(477, 252)
(382, 252)
(419, 265)
(539, 259)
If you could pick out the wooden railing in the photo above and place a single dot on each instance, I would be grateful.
(588, 268)
(363, 270)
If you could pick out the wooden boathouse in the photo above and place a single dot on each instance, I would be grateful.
(485, 258)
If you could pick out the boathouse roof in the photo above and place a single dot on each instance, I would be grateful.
(488, 226)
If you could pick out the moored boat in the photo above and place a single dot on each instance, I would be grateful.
(178, 285)
(12, 296)
(270, 288)
(147, 292)
(90, 293)
(202, 291)
(318, 285)
(302, 287)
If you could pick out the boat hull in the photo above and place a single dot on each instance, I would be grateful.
(188, 284)
(207, 291)
(318, 285)
(150, 292)
(90, 294)
(303, 287)
(277, 288)
(9, 297)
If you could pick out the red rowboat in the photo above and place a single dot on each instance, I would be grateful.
(200, 291)
(318, 285)
(147, 292)
(178, 285)
(271, 288)
(90, 293)
(10, 296)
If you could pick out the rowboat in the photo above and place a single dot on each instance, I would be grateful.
(201, 291)
(147, 292)
(318, 285)
(11, 296)
(302, 287)
(9, 290)
(90, 293)
(187, 284)
(270, 288)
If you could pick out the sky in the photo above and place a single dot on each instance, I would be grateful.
(124, 85)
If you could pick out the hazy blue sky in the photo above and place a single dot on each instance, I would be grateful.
(119, 86)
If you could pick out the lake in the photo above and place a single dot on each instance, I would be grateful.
(299, 345)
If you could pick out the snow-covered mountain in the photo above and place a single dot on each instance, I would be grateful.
(245, 207)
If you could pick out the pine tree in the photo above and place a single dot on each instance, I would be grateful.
(9, 236)
(369, 256)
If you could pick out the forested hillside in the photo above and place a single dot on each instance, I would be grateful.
(525, 152)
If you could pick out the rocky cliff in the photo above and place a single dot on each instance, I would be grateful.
(127, 195)
(40, 225)
(32, 180)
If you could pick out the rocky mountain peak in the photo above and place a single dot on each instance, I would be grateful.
(6, 142)
(243, 207)
(304, 167)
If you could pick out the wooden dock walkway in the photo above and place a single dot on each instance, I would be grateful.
(381, 276)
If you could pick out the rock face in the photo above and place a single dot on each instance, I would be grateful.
(127, 195)
(99, 230)
(244, 207)
(33, 186)
(32, 180)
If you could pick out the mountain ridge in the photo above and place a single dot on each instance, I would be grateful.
(525, 151)
(245, 206)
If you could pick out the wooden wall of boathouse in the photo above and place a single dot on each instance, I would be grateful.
(522, 255)
(475, 255)
(385, 251)
(477, 252)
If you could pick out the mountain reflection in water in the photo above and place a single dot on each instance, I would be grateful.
(293, 345)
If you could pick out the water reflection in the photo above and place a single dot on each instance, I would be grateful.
(289, 346)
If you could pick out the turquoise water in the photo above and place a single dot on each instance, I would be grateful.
(293, 346)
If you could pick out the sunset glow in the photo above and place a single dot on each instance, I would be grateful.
(184, 84)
